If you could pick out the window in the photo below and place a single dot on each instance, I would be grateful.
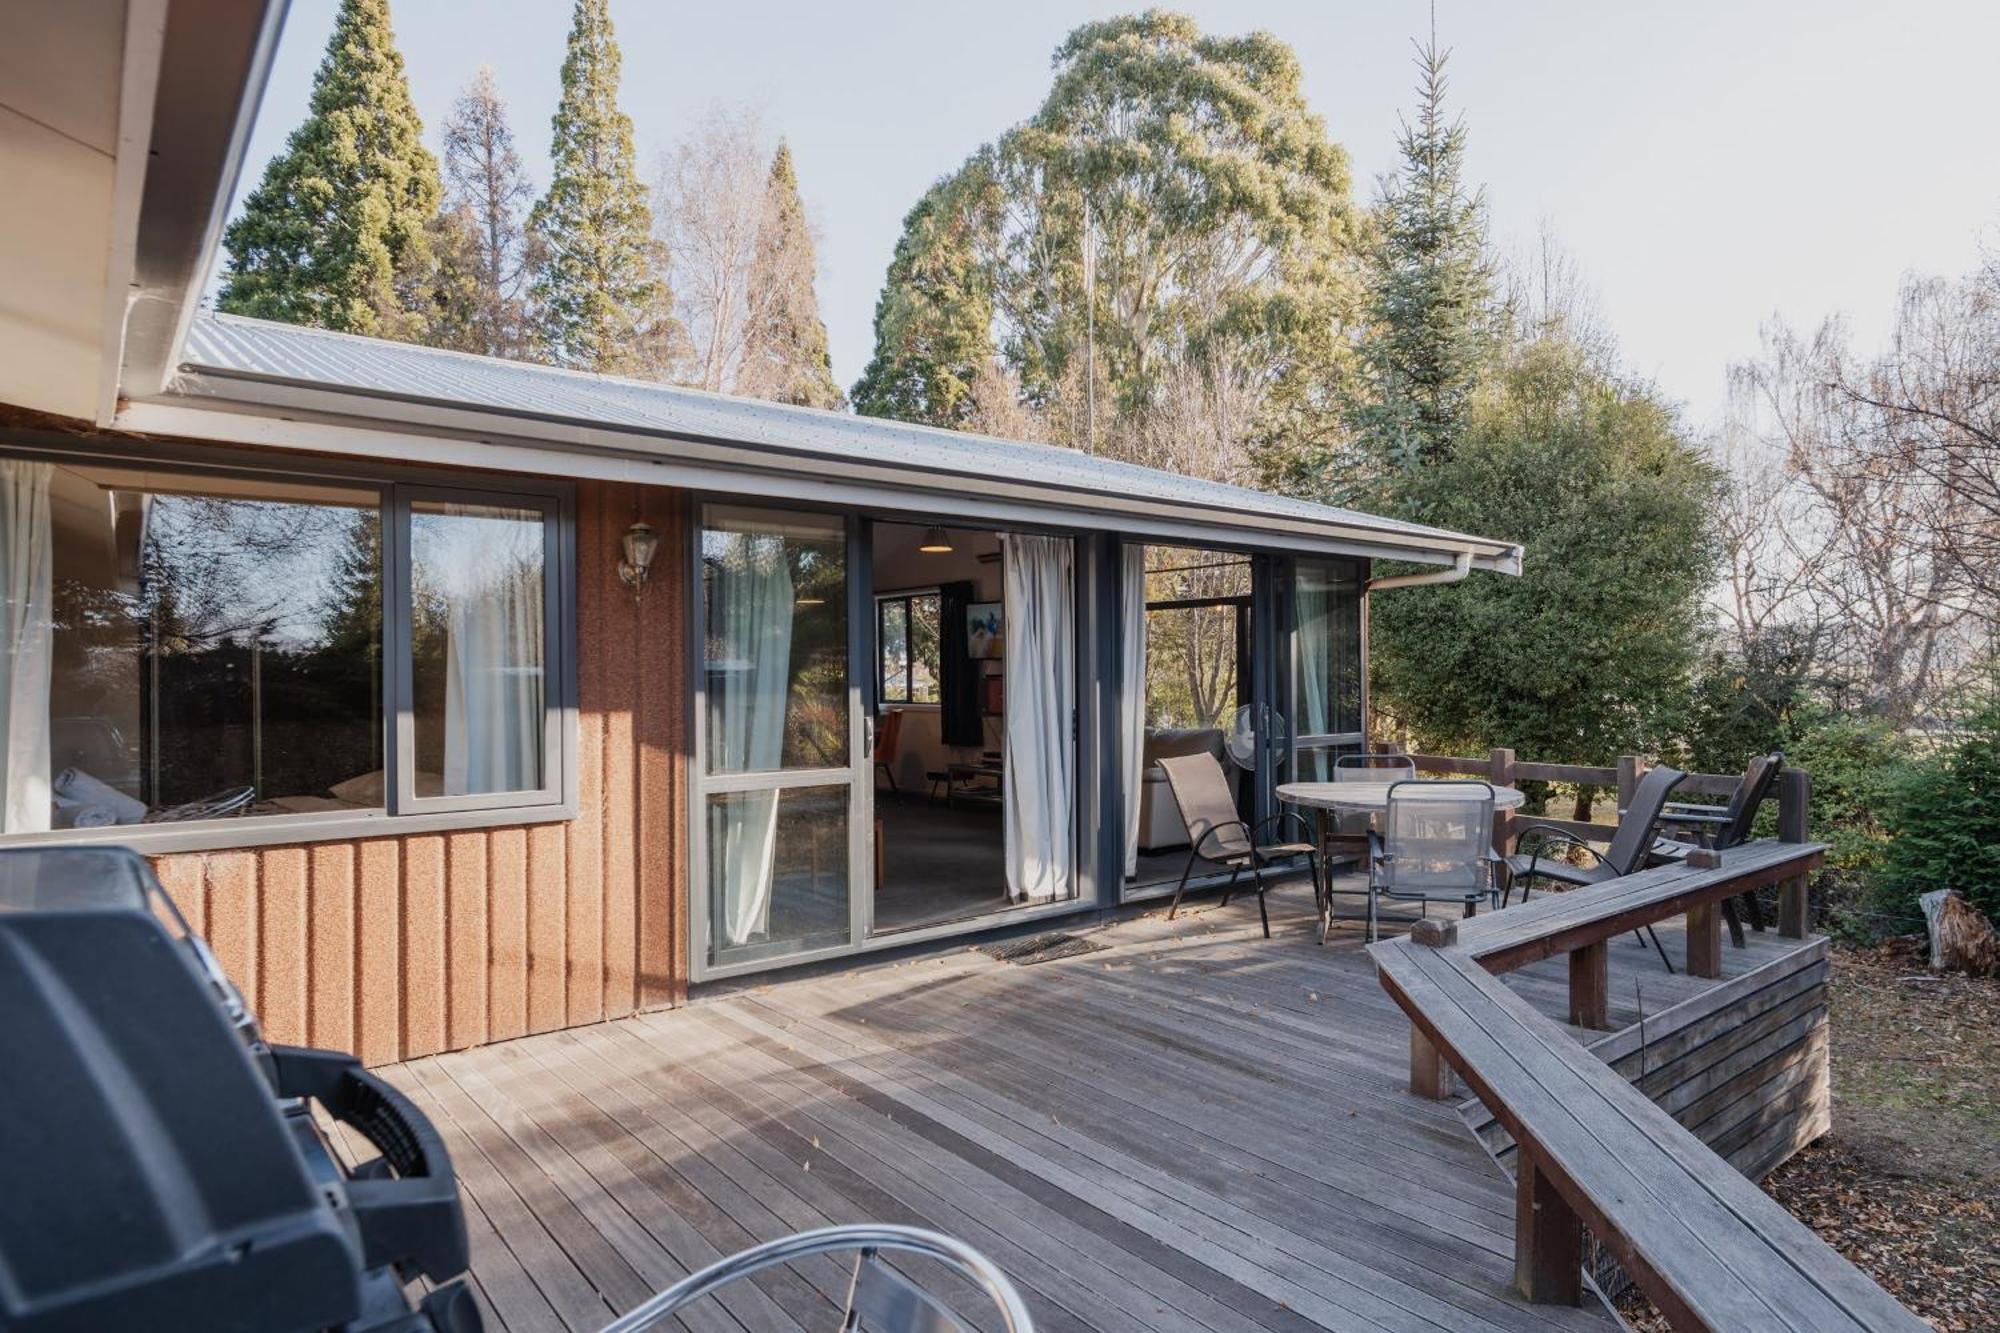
(184, 645)
(906, 634)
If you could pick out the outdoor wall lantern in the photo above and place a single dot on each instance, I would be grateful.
(640, 543)
(935, 542)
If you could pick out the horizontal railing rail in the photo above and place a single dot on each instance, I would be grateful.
(1706, 1244)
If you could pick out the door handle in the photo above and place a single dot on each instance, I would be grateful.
(868, 736)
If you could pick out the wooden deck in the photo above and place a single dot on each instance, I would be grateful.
(1193, 1128)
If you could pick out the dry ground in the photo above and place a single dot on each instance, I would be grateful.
(1907, 1185)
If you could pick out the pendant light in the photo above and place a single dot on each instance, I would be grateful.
(935, 541)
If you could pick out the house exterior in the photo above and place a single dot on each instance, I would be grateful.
(455, 699)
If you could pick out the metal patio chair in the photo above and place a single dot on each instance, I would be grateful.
(1349, 829)
(1630, 847)
(1718, 828)
(1208, 807)
(879, 1299)
(1435, 846)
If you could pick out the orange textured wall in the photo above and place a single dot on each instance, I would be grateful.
(397, 947)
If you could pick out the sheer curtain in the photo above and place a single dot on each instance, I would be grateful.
(751, 621)
(1311, 604)
(27, 643)
(494, 683)
(1132, 691)
(1040, 691)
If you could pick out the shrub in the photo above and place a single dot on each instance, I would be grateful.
(1943, 825)
(1856, 764)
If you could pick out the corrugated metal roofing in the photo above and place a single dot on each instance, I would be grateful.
(225, 348)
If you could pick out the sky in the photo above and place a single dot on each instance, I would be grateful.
(1708, 166)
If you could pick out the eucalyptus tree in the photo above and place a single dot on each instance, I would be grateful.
(1158, 242)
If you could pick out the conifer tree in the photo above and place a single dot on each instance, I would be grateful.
(600, 299)
(338, 232)
(1430, 289)
(485, 195)
(785, 356)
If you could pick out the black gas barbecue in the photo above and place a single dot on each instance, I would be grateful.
(160, 1166)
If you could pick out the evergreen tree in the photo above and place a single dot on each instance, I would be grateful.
(932, 321)
(485, 193)
(601, 301)
(785, 357)
(1430, 290)
(338, 232)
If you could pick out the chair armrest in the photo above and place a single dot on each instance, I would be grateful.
(1210, 831)
(1280, 817)
(1550, 836)
(1695, 815)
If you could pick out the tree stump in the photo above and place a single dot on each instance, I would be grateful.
(1962, 940)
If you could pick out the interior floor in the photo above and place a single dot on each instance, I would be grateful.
(939, 861)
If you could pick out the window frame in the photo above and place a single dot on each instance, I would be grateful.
(402, 813)
(883, 699)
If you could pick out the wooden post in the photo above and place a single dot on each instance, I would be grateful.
(1704, 932)
(1630, 766)
(1794, 810)
(1430, 1076)
(1500, 772)
(1590, 986)
(1548, 1239)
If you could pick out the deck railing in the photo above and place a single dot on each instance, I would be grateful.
(1709, 1247)
(1501, 768)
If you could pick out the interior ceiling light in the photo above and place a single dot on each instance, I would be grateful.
(935, 542)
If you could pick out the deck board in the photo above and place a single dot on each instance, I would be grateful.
(1194, 1128)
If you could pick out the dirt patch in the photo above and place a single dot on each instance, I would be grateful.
(1907, 1185)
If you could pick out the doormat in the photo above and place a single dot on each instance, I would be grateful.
(1032, 949)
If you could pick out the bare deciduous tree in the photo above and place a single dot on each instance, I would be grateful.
(710, 198)
(487, 193)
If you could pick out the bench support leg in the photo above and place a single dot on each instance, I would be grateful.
(1548, 1240)
(1590, 986)
(1794, 909)
(1430, 1076)
(1704, 932)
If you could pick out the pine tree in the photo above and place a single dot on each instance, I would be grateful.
(485, 193)
(785, 358)
(932, 321)
(1430, 290)
(338, 232)
(600, 299)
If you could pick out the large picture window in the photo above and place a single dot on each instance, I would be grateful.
(189, 645)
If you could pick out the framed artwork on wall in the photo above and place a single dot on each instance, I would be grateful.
(984, 631)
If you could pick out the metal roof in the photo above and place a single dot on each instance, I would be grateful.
(266, 367)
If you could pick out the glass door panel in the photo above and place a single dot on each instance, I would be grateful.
(778, 736)
(1326, 664)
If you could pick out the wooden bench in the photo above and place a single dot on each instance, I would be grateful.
(1710, 1248)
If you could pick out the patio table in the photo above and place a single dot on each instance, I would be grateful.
(1324, 798)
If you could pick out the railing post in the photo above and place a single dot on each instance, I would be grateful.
(1704, 940)
(1590, 986)
(1630, 766)
(1548, 1238)
(1794, 811)
(1500, 772)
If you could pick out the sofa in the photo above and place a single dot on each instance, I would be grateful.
(1160, 823)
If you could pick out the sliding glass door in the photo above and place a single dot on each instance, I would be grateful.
(782, 796)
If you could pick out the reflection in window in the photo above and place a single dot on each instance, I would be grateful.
(777, 870)
(478, 648)
(186, 647)
(774, 590)
(1327, 611)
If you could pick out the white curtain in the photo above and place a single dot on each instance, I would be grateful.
(749, 689)
(494, 682)
(1132, 690)
(27, 644)
(1040, 693)
(1311, 604)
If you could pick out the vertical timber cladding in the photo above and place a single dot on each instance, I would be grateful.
(401, 946)
(1742, 1064)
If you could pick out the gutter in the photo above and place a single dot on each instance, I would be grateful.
(1461, 566)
